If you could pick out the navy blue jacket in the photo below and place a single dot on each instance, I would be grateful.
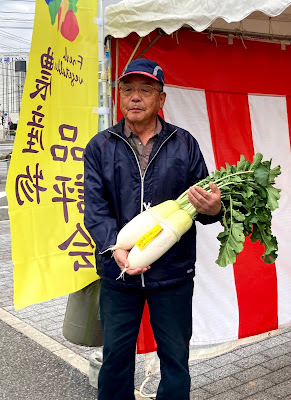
(115, 192)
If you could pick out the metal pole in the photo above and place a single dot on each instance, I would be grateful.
(3, 101)
(7, 99)
(103, 66)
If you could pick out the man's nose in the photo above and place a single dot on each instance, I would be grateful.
(136, 96)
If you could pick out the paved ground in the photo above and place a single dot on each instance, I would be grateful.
(6, 147)
(37, 362)
(31, 372)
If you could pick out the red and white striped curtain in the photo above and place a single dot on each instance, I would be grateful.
(249, 297)
(234, 99)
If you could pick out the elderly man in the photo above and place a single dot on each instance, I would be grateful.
(144, 160)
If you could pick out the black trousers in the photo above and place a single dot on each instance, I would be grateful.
(171, 319)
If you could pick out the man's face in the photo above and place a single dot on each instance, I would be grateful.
(139, 102)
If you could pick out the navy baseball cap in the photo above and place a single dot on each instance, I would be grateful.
(143, 66)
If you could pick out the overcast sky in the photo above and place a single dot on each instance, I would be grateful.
(16, 23)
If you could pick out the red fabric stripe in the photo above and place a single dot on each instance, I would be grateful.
(256, 285)
(161, 113)
(146, 342)
(288, 99)
(193, 60)
(256, 282)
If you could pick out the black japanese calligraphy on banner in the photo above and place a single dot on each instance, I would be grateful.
(29, 185)
(85, 243)
(43, 84)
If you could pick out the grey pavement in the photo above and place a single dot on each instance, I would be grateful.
(31, 372)
(37, 362)
(6, 146)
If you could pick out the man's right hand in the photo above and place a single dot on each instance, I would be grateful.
(120, 257)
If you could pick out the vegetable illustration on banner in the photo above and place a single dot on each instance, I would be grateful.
(52, 252)
(67, 21)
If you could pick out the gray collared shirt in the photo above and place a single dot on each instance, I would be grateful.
(142, 151)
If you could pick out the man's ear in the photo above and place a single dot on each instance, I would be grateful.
(163, 96)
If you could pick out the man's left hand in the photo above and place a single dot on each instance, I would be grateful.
(208, 203)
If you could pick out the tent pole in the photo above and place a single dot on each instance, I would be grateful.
(103, 67)
(116, 84)
(149, 46)
(109, 76)
(134, 51)
(248, 35)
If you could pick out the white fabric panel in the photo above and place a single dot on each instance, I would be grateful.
(144, 16)
(215, 310)
(271, 138)
(187, 108)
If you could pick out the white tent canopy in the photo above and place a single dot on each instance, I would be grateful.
(270, 17)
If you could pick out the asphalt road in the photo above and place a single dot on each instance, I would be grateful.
(30, 372)
(5, 147)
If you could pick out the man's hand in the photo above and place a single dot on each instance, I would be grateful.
(120, 256)
(205, 202)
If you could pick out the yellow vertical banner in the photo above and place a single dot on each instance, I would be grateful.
(52, 253)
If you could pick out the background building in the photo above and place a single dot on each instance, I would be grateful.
(12, 76)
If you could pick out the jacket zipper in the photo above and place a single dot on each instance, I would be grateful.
(143, 176)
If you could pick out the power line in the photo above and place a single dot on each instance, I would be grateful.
(13, 45)
(21, 1)
(16, 12)
(21, 48)
(14, 37)
(5, 52)
(10, 34)
(8, 46)
(15, 20)
(15, 53)
(17, 27)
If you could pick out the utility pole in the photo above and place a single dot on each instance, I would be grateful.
(3, 86)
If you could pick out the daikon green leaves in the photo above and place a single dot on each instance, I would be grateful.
(248, 197)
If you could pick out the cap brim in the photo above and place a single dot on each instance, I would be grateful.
(139, 73)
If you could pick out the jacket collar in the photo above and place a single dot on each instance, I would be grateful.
(167, 129)
(158, 128)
